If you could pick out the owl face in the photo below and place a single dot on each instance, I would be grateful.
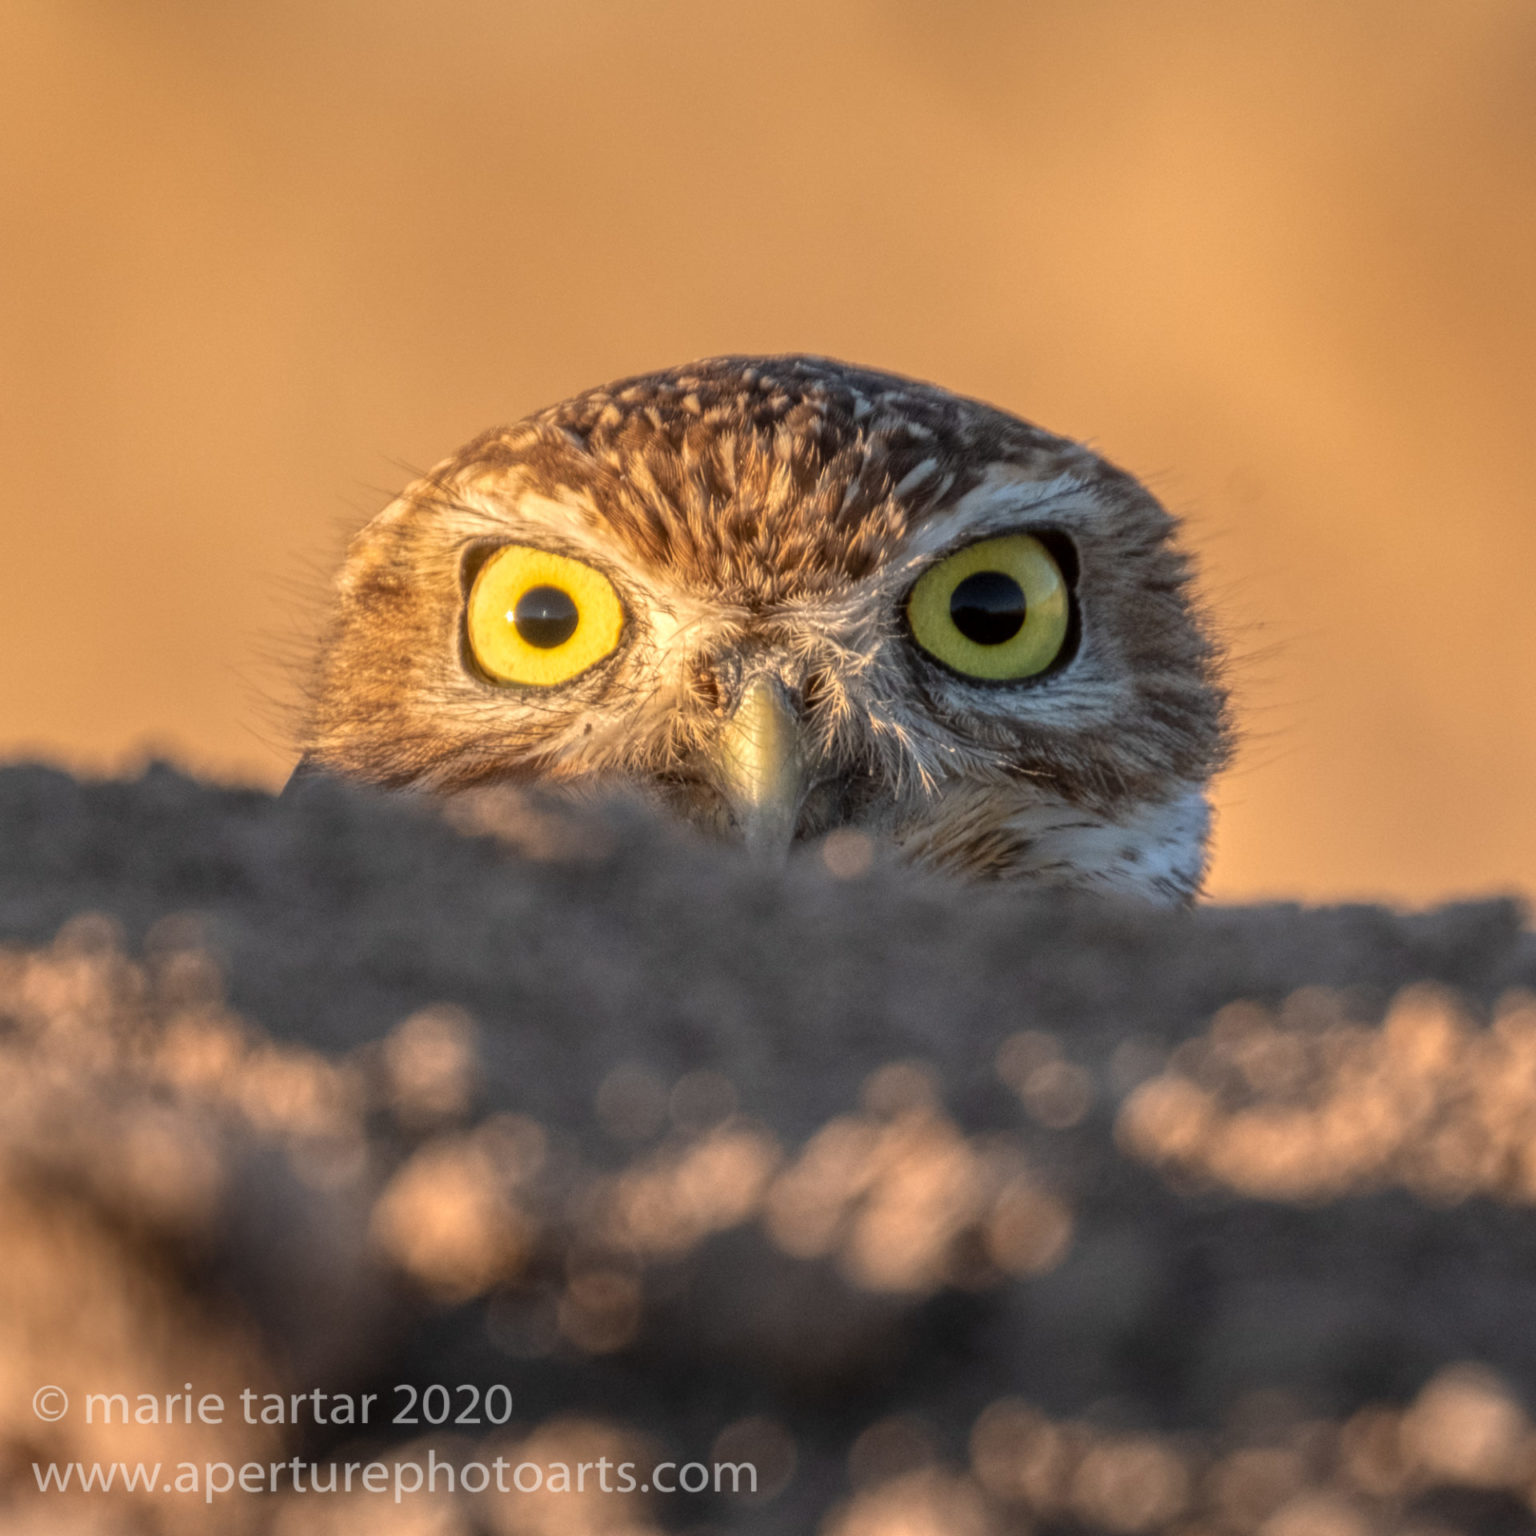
(784, 595)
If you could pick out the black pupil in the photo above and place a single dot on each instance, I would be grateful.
(545, 617)
(988, 608)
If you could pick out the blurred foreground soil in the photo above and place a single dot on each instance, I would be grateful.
(953, 1211)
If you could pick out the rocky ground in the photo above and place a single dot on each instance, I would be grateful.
(954, 1211)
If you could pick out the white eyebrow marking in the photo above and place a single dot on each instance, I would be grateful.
(1005, 492)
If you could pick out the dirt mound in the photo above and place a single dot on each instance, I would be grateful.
(951, 1210)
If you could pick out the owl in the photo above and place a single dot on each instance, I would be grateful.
(783, 596)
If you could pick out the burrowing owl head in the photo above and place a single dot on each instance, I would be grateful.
(786, 595)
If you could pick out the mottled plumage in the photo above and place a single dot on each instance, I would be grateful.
(763, 522)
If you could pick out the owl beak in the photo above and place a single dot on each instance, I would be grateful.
(761, 770)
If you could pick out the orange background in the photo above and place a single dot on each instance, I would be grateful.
(259, 261)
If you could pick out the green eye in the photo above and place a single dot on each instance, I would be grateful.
(997, 610)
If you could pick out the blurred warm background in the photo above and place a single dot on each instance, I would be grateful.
(259, 262)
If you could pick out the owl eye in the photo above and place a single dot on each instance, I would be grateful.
(539, 618)
(997, 610)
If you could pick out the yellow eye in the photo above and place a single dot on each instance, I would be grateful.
(540, 618)
(998, 609)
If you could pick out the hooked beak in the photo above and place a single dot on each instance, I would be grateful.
(761, 770)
